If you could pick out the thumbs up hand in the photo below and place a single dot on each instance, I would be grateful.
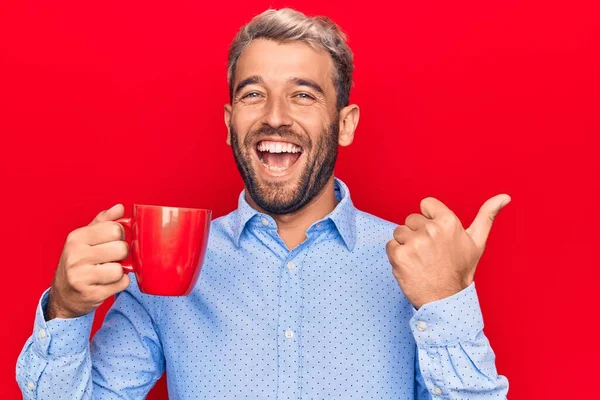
(433, 256)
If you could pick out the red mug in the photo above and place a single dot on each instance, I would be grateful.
(166, 247)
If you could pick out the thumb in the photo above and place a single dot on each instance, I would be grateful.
(482, 224)
(111, 214)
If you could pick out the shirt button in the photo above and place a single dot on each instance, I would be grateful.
(319, 224)
(290, 265)
(31, 385)
(42, 334)
(437, 390)
(421, 325)
(289, 334)
(265, 222)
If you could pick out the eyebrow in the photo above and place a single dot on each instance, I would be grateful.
(308, 83)
(253, 80)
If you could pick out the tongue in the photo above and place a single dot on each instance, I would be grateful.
(280, 160)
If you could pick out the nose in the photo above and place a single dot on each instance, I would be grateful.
(277, 113)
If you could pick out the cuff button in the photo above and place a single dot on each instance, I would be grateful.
(421, 325)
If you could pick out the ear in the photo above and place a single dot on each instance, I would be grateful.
(227, 122)
(349, 116)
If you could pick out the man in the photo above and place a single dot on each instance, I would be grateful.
(296, 298)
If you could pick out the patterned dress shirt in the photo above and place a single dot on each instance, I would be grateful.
(326, 320)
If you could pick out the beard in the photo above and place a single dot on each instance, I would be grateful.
(288, 197)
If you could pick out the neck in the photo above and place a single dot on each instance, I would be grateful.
(292, 227)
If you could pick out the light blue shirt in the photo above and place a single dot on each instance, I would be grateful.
(326, 320)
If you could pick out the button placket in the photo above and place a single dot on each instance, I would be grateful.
(289, 324)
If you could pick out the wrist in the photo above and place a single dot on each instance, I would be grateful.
(53, 309)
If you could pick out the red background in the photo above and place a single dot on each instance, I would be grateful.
(104, 102)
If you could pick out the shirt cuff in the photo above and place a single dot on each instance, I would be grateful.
(448, 321)
(60, 336)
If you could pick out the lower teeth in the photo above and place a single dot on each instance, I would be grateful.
(273, 168)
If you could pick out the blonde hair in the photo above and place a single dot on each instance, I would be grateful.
(288, 25)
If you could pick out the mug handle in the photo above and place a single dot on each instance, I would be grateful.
(127, 263)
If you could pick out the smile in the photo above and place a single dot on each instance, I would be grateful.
(278, 156)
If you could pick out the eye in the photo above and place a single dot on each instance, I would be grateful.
(304, 99)
(251, 98)
(305, 96)
(251, 95)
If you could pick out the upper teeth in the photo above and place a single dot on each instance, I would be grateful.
(278, 147)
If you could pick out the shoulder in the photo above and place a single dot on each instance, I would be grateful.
(224, 226)
(371, 228)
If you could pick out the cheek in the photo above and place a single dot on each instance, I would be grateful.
(313, 126)
(244, 116)
(245, 120)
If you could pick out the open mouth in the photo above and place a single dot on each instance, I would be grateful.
(277, 156)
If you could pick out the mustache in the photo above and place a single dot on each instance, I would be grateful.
(282, 132)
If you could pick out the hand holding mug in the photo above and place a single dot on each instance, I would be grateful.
(89, 270)
(167, 248)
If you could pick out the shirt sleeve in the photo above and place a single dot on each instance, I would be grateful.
(454, 357)
(55, 361)
(124, 359)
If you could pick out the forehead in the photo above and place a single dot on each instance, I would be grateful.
(277, 62)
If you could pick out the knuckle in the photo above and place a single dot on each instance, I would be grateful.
(117, 250)
(389, 246)
(124, 283)
(419, 242)
(394, 251)
(123, 248)
(73, 235)
(71, 258)
(115, 232)
(114, 271)
(401, 234)
(432, 229)
(74, 279)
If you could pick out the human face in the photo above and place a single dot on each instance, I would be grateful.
(283, 123)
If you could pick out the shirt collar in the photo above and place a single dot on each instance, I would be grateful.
(343, 215)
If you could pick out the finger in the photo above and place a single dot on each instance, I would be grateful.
(105, 274)
(108, 252)
(98, 233)
(403, 233)
(415, 221)
(433, 208)
(116, 211)
(390, 248)
(482, 224)
(112, 288)
(396, 254)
